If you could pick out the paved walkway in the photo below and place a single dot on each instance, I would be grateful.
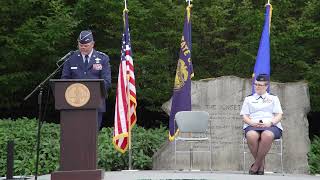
(195, 175)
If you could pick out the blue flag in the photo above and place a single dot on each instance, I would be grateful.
(181, 99)
(262, 65)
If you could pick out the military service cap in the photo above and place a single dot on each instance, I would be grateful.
(262, 77)
(85, 37)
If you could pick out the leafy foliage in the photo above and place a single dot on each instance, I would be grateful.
(314, 156)
(23, 132)
(144, 144)
(30, 46)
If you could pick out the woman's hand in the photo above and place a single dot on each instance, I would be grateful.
(255, 124)
(269, 124)
(262, 124)
(265, 124)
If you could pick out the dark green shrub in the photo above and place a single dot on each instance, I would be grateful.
(23, 131)
(145, 143)
(314, 156)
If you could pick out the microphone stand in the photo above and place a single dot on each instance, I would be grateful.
(40, 88)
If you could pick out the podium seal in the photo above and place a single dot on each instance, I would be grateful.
(77, 95)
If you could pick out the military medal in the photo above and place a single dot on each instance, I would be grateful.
(97, 66)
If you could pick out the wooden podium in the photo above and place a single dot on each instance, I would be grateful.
(78, 101)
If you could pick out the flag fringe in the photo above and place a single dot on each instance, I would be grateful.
(117, 137)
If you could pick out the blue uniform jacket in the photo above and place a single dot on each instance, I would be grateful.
(98, 68)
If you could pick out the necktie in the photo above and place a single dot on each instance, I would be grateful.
(86, 61)
(260, 97)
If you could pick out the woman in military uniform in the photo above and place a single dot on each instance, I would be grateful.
(261, 114)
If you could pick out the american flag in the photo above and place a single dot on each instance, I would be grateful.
(126, 103)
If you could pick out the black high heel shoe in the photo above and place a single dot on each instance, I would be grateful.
(260, 172)
(251, 172)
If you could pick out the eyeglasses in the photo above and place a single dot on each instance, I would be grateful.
(260, 85)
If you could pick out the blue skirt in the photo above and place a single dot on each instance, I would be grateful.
(277, 132)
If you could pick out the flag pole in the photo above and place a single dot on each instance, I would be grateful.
(128, 103)
(129, 123)
(189, 2)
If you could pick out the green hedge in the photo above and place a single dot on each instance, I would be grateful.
(314, 156)
(23, 131)
(145, 143)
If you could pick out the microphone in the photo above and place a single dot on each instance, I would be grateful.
(65, 57)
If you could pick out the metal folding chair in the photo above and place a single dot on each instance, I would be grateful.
(276, 142)
(193, 128)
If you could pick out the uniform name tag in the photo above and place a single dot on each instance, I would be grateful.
(74, 68)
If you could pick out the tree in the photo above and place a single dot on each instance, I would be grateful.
(225, 40)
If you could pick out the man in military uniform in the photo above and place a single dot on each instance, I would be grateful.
(261, 114)
(87, 63)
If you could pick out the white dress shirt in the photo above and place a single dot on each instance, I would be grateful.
(261, 108)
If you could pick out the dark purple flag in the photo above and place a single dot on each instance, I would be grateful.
(181, 99)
